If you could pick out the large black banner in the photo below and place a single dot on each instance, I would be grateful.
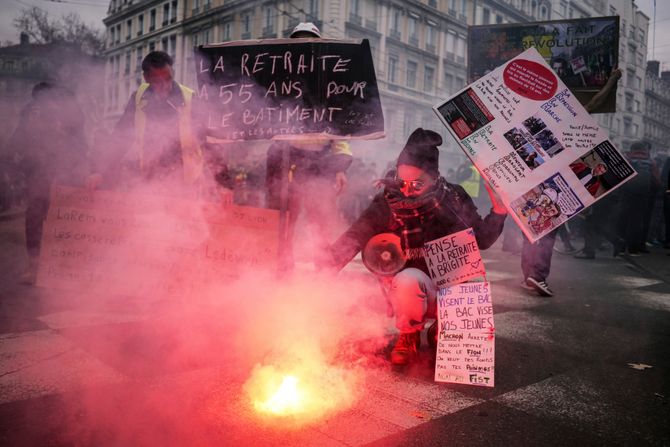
(289, 88)
(582, 52)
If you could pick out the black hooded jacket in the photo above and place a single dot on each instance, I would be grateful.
(456, 212)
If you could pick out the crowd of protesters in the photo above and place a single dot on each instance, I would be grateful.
(47, 147)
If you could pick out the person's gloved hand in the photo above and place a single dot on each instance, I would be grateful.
(497, 204)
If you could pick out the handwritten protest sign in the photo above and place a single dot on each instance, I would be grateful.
(583, 52)
(287, 88)
(142, 244)
(534, 143)
(466, 335)
(454, 258)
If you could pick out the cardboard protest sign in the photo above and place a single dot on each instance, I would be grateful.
(583, 52)
(534, 143)
(143, 244)
(454, 258)
(466, 335)
(289, 88)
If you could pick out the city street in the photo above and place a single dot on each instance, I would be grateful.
(586, 367)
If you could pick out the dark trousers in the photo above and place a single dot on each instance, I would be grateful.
(36, 213)
(633, 208)
(600, 222)
(536, 257)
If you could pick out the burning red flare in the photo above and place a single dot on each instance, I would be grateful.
(307, 391)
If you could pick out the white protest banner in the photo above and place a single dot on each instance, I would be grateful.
(139, 244)
(454, 258)
(466, 335)
(534, 143)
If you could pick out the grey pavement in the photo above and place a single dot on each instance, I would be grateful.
(589, 366)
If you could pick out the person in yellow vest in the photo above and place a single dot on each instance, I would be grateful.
(158, 128)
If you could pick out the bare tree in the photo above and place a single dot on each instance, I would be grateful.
(68, 29)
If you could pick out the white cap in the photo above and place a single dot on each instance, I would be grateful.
(551, 194)
(306, 27)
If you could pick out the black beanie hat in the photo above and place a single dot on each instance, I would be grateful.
(421, 151)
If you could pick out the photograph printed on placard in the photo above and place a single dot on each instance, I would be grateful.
(547, 205)
(534, 124)
(515, 138)
(549, 142)
(601, 169)
(530, 156)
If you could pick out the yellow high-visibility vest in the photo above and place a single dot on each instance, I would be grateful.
(471, 184)
(191, 152)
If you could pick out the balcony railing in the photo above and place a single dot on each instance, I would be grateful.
(430, 48)
(395, 34)
(355, 18)
(371, 24)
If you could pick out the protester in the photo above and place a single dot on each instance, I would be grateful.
(159, 127)
(49, 148)
(419, 206)
(635, 197)
(316, 174)
(536, 257)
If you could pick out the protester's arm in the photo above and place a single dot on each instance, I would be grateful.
(486, 230)
(497, 205)
(372, 221)
(600, 97)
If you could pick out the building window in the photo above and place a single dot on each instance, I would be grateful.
(411, 74)
(226, 31)
(393, 64)
(166, 14)
(138, 59)
(268, 25)
(173, 46)
(395, 24)
(460, 48)
(173, 16)
(499, 19)
(313, 10)
(118, 33)
(413, 31)
(629, 102)
(355, 8)
(246, 25)
(430, 38)
(448, 82)
(486, 16)
(140, 24)
(152, 20)
(428, 78)
(544, 12)
(129, 28)
(128, 56)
